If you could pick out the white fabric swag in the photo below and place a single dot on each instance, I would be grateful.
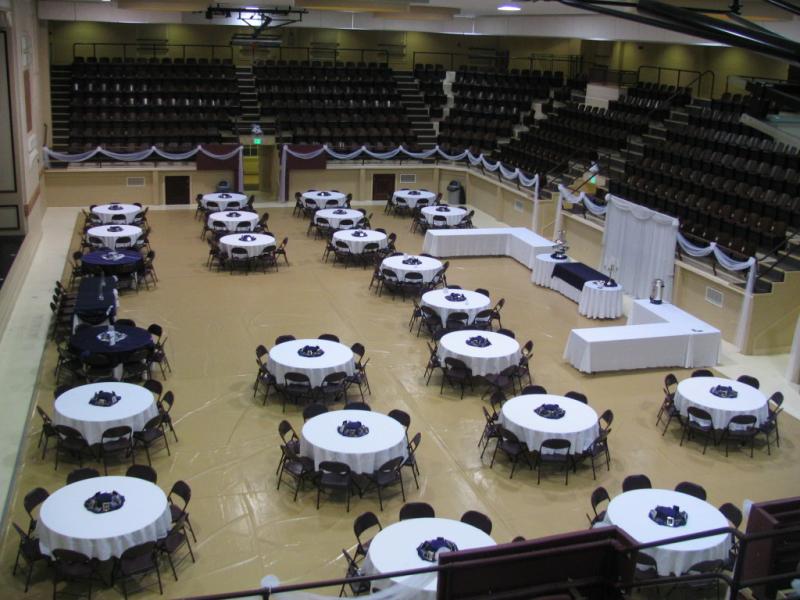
(641, 243)
(144, 155)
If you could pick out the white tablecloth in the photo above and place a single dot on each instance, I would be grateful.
(254, 247)
(394, 548)
(519, 243)
(238, 200)
(543, 268)
(598, 301)
(630, 511)
(335, 218)
(105, 213)
(135, 408)
(473, 304)
(321, 441)
(578, 425)
(428, 267)
(284, 358)
(503, 351)
(453, 214)
(411, 197)
(324, 201)
(109, 238)
(656, 336)
(231, 219)
(65, 523)
(357, 244)
(696, 391)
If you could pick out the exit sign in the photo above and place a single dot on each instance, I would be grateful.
(257, 141)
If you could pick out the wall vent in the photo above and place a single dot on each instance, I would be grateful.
(408, 178)
(135, 182)
(519, 206)
(714, 296)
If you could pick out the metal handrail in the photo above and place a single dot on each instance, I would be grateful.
(153, 46)
(751, 78)
(780, 259)
(660, 69)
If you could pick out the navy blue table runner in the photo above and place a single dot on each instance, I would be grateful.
(576, 274)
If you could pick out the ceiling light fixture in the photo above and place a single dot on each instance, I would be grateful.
(509, 7)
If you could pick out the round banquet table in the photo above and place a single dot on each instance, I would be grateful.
(357, 244)
(578, 425)
(696, 391)
(135, 407)
(223, 200)
(321, 441)
(64, 522)
(630, 512)
(323, 199)
(232, 218)
(284, 358)
(437, 300)
(110, 262)
(109, 234)
(86, 341)
(394, 548)
(106, 212)
(453, 214)
(428, 266)
(543, 268)
(412, 197)
(254, 247)
(503, 351)
(599, 301)
(335, 216)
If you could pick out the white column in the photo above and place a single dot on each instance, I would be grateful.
(793, 370)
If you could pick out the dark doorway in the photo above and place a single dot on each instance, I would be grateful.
(383, 186)
(176, 189)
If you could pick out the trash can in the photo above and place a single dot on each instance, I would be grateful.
(455, 193)
(223, 186)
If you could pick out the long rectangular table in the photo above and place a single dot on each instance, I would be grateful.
(657, 335)
(519, 243)
(569, 278)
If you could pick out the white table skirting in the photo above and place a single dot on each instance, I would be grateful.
(224, 200)
(64, 522)
(394, 548)
(696, 391)
(578, 425)
(321, 441)
(109, 238)
(453, 214)
(335, 218)
(473, 304)
(503, 351)
(656, 336)
(324, 199)
(519, 243)
(357, 244)
(284, 358)
(429, 267)
(231, 219)
(629, 511)
(136, 407)
(598, 301)
(543, 268)
(254, 247)
(106, 214)
(411, 197)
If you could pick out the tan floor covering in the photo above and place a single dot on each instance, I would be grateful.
(228, 445)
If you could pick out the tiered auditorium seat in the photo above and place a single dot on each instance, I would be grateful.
(342, 104)
(128, 104)
(430, 79)
(487, 104)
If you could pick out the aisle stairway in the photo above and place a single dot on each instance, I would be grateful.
(60, 81)
(418, 112)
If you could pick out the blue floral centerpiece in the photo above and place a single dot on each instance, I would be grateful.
(442, 209)
(455, 297)
(102, 398)
(429, 549)
(311, 351)
(669, 516)
(247, 238)
(111, 336)
(412, 260)
(233, 213)
(324, 194)
(724, 391)
(478, 341)
(359, 233)
(352, 429)
(103, 502)
(113, 256)
(223, 195)
(550, 411)
(413, 193)
(114, 207)
(340, 211)
(114, 228)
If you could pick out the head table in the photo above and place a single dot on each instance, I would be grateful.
(64, 521)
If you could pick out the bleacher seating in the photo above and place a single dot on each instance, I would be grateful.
(430, 79)
(128, 104)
